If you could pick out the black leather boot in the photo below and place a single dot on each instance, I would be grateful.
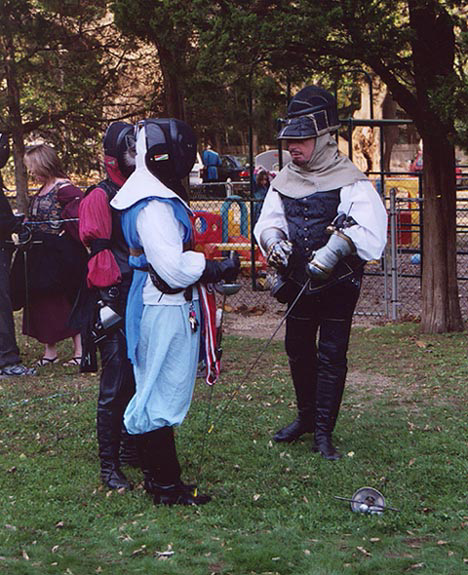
(115, 390)
(323, 445)
(162, 471)
(109, 443)
(330, 386)
(112, 476)
(303, 377)
(294, 430)
(177, 494)
(128, 450)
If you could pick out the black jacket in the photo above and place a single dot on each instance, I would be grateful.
(8, 221)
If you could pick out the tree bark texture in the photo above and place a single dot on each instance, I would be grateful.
(440, 300)
(173, 83)
(433, 46)
(14, 118)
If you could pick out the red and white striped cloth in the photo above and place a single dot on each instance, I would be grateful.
(209, 332)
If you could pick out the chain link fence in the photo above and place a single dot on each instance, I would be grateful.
(225, 215)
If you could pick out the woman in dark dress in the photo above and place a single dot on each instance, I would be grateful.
(56, 260)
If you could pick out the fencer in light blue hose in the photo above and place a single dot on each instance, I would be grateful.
(163, 313)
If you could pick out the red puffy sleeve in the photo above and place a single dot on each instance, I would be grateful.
(96, 223)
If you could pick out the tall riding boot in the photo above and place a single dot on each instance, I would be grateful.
(128, 449)
(108, 433)
(330, 387)
(304, 381)
(162, 471)
(116, 388)
(336, 313)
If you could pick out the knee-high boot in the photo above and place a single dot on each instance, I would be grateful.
(330, 387)
(338, 305)
(302, 354)
(162, 470)
(116, 388)
(128, 450)
(304, 380)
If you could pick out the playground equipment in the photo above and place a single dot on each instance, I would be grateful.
(216, 234)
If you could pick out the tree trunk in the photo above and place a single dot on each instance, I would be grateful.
(433, 45)
(390, 132)
(172, 77)
(440, 303)
(15, 119)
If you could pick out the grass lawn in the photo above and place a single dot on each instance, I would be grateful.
(402, 426)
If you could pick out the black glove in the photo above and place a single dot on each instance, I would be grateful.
(227, 270)
(110, 296)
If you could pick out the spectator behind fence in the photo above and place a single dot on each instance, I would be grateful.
(55, 259)
(10, 362)
(262, 183)
(211, 161)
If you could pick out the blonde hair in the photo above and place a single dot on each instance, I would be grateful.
(42, 160)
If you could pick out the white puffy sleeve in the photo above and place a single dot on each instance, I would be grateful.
(161, 236)
(364, 205)
(271, 216)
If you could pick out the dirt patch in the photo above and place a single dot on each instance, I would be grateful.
(255, 324)
(259, 322)
(372, 384)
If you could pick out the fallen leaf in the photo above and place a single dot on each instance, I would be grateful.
(164, 554)
(364, 551)
(59, 525)
(256, 497)
(306, 551)
(139, 550)
(440, 542)
(421, 344)
(417, 566)
(374, 539)
(25, 555)
(55, 548)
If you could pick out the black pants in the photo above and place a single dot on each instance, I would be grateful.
(9, 352)
(317, 338)
(117, 386)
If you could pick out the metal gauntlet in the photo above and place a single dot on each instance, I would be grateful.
(278, 248)
(325, 259)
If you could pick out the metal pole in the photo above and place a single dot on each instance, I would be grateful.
(421, 225)
(394, 255)
(350, 138)
(251, 173)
